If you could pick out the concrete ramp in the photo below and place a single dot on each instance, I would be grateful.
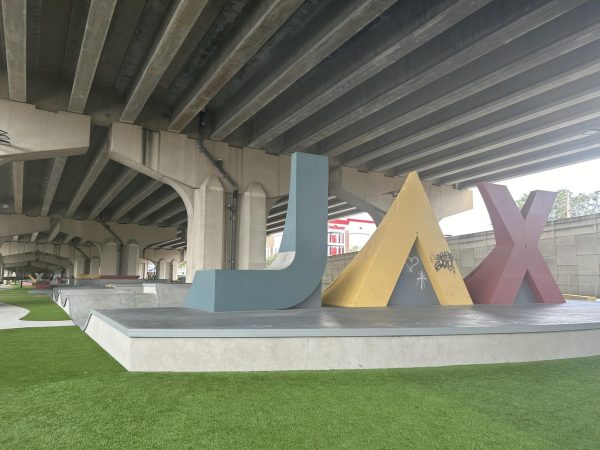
(79, 301)
(78, 304)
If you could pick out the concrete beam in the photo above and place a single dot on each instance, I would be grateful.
(516, 162)
(536, 167)
(574, 116)
(183, 16)
(256, 26)
(163, 217)
(402, 32)
(448, 174)
(505, 66)
(114, 189)
(92, 174)
(158, 204)
(14, 224)
(34, 236)
(323, 36)
(98, 21)
(136, 199)
(14, 22)
(53, 233)
(187, 167)
(37, 134)
(18, 169)
(490, 31)
(68, 238)
(485, 107)
(58, 165)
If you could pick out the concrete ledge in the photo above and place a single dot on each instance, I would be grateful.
(184, 340)
(325, 353)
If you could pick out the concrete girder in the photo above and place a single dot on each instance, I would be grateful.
(485, 107)
(168, 214)
(37, 134)
(34, 256)
(517, 161)
(538, 166)
(114, 189)
(14, 22)
(18, 169)
(98, 21)
(448, 175)
(34, 236)
(572, 116)
(181, 20)
(87, 230)
(68, 238)
(322, 38)
(97, 233)
(54, 231)
(13, 224)
(489, 32)
(93, 172)
(402, 32)
(374, 194)
(135, 199)
(506, 67)
(158, 204)
(187, 168)
(544, 105)
(58, 165)
(257, 25)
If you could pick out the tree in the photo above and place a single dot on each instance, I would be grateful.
(568, 204)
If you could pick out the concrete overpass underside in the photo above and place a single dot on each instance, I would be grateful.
(104, 103)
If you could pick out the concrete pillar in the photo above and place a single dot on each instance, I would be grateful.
(205, 228)
(131, 256)
(109, 264)
(252, 228)
(174, 267)
(163, 270)
(95, 266)
(142, 270)
(79, 266)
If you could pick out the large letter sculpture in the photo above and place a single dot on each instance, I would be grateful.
(370, 278)
(294, 278)
(516, 258)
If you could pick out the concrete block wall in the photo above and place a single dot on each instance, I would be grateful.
(571, 248)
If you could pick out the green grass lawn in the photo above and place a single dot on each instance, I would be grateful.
(40, 306)
(58, 389)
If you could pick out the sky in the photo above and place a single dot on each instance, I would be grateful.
(579, 178)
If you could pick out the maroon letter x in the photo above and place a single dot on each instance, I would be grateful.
(516, 257)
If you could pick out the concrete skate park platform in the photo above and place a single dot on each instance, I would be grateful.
(78, 302)
(181, 339)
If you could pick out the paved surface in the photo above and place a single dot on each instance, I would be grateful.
(10, 318)
(392, 321)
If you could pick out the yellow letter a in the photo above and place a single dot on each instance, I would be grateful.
(371, 276)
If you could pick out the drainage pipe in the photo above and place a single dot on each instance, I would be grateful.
(232, 207)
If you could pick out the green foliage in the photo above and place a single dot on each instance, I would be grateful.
(569, 204)
(40, 306)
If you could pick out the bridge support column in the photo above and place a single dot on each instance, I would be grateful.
(252, 228)
(131, 255)
(205, 228)
(1, 273)
(109, 264)
(163, 270)
(174, 267)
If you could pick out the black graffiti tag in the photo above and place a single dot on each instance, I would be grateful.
(444, 260)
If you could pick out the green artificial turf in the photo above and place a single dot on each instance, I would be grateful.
(40, 306)
(58, 389)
